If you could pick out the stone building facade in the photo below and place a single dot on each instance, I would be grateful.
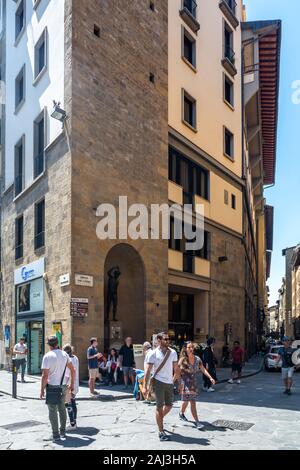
(127, 90)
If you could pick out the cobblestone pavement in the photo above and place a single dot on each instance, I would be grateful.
(119, 422)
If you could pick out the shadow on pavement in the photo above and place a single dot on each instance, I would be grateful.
(188, 440)
(76, 442)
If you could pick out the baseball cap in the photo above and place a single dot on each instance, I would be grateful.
(285, 338)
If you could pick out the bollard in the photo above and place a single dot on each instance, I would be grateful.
(14, 378)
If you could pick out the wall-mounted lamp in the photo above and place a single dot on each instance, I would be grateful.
(58, 113)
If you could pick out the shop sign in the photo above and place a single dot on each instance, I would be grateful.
(138, 350)
(64, 280)
(29, 272)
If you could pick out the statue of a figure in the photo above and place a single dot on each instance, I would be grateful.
(112, 291)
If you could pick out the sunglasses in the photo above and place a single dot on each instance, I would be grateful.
(166, 339)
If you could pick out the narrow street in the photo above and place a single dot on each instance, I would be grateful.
(271, 420)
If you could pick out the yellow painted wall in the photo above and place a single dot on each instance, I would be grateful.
(175, 260)
(206, 86)
(217, 210)
(202, 267)
(175, 193)
(261, 260)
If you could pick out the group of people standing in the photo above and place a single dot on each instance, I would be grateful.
(112, 368)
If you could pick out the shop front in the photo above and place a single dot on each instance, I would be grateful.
(29, 291)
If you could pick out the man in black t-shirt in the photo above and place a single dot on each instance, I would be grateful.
(126, 361)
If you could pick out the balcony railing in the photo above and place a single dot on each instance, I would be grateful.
(191, 6)
(38, 164)
(189, 14)
(18, 184)
(232, 5)
(39, 240)
(229, 54)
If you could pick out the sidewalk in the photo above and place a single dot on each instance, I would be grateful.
(31, 390)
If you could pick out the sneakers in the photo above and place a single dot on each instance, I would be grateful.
(230, 381)
(204, 389)
(210, 390)
(183, 417)
(51, 439)
(163, 437)
(71, 428)
(289, 392)
(199, 425)
(238, 381)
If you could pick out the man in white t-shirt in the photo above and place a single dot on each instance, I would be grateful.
(54, 366)
(163, 379)
(20, 353)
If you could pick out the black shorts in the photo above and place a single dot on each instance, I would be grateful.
(236, 368)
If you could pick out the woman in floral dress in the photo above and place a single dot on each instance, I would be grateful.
(190, 365)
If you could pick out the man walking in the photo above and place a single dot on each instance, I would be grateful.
(92, 356)
(209, 363)
(237, 355)
(126, 361)
(20, 352)
(54, 366)
(165, 363)
(287, 370)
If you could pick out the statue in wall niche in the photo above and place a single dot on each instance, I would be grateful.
(112, 291)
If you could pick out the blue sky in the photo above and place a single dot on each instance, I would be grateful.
(285, 196)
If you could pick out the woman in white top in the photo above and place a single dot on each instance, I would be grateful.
(71, 399)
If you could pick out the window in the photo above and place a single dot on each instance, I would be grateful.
(228, 91)
(204, 252)
(40, 55)
(20, 89)
(20, 20)
(189, 48)
(192, 177)
(19, 235)
(39, 229)
(174, 244)
(19, 166)
(191, 6)
(233, 201)
(226, 197)
(228, 43)
(97, 31)
(189, 110)
(39, 144)
(228, 143)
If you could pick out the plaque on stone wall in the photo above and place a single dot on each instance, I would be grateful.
(79, 308)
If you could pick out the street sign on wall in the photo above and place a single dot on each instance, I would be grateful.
(79, 308)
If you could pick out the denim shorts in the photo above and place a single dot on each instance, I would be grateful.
(287, 372)
(127, 370)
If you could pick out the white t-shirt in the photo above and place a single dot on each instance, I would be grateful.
(148, 353)
(156, 357)
(56, 361)
(20, 348)
(75, 362)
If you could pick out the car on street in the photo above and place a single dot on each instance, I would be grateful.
(271, 359)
